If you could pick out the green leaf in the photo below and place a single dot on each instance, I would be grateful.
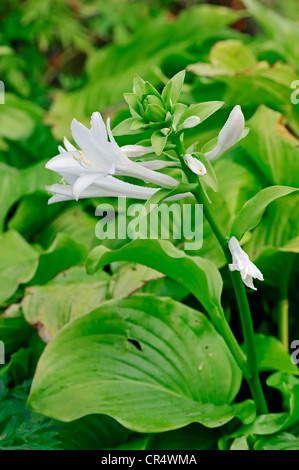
(165, 193)
(283, 31)
(158, 142)
(50, 307)
(201, 110)
(227, 58)
(274, 242)
(18, 263)
(138, 86)
(252, 211)
(273, 148)
(138, 124)
(273, 423)
(271, 355)
(14, 332)
(281, 441)
(172, 89)
(125, 127)
(93, 432)
(18, 117)
(63, 253)
(15, 184)
(141, 350)
(132, 101)
(197, 274)
(210, 178)
(192, 437)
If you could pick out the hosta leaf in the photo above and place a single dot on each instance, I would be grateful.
(281, 441)
(18, 117)
(199, 275)
(14, 332)
(152, 364)
(273, 148)
(63, 253)
(252, 211)
(18, 263)
(15, 184)
(271, 355)
(227, 58)
(201, 110)
(273, 423)
(49, 308)
(192, 437)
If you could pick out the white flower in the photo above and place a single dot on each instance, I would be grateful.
(99, 158)
(242, 263)
(107, 186)
(191, 121)
(195, 165)
(230, 134)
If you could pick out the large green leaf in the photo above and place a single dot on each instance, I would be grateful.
(197, 274)
(18, 263)
(228, 57)
(63, 253)
(18, 117)
(50, 307)
(273, 148)
(15, 184)
(252, 211)
(152, 364)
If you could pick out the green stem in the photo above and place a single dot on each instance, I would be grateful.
(283, 306)
(283, 313)
(248, 333)
(251, 370)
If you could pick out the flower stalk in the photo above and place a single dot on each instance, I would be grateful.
(250, 370)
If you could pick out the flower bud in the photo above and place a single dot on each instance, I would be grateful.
(195, 165)
(154, 108)
(191, 121)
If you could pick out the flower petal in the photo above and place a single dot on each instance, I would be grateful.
(132, 151)
(229, 134)
(195, 165)
(69, 147)
(83, 182)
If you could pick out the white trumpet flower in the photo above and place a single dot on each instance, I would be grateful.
(242, 263)
(107, 186)
(229, 135)
(99, 158)
(195, 165)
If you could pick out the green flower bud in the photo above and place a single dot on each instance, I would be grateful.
(153, 108)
